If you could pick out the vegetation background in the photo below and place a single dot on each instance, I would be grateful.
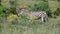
(10, 23)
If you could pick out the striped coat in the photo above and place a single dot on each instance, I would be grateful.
(35, 15)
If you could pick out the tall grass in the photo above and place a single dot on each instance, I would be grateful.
(51, 27)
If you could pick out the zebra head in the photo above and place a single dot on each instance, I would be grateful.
(22, 11)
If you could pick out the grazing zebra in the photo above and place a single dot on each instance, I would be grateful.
(35, 14)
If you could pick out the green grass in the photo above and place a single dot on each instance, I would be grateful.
(51, 27)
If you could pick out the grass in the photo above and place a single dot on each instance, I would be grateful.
(51, 27)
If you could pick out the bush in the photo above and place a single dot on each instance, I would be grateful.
(12, 10)
(57, 12)
(12, 17)
(21, 20)
(54, 5)
(39, 6)
(2, 10)
(43, 6)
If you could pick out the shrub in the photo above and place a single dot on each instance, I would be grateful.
(57, 12)
(11, 17)
(54, 5)
(14, 19)
(2, 9)
(12, 10)
(39, 6)
(43, 6)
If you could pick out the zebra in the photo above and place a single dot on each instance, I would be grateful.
(35, 14)
(40, 15)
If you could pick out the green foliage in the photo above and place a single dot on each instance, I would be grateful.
(12, 10)
(57, 12)
(10, 6)
(11, 17)
(23, 26)
(14, 19)
(1, 26)
(41, 5)
(53, 5)
(49, 12)
(51, 27)
(2, 9)
(24, 16)
(50, 7)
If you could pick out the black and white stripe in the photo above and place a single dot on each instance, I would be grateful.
(37, 14)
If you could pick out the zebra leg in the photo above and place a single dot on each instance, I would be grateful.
(46, 19)
(42, 19)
